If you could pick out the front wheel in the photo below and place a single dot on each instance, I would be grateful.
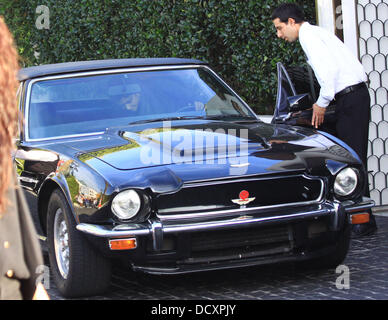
(336, 257)
(341, 250)
(77, 268)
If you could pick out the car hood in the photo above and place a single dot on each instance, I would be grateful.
(206, 142)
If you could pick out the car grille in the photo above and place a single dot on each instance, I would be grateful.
(213, 196)
(239, 244)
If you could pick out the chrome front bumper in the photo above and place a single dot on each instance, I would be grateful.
(156, 228)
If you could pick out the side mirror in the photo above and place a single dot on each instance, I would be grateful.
(299, 102)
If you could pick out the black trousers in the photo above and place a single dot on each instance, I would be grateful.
(353, 116)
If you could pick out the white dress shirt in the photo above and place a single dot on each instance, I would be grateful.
(334, 65)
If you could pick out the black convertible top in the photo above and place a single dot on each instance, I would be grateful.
(79, 66)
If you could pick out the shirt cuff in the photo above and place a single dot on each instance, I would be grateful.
(322, 102)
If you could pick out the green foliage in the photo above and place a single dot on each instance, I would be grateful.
(236, 38)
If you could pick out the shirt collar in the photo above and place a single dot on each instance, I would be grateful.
(305, 25)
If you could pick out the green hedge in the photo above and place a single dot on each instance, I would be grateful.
(236, 38)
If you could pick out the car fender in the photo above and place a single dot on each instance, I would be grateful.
(341, 143)
(51, 183)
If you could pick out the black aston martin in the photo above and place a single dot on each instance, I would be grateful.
(159, 163)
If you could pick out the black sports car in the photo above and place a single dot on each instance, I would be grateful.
(159, 163)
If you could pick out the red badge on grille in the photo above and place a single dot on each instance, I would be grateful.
(244, 195)
(243, 198)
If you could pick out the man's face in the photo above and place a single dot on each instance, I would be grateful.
(286, 31)
(131, 102)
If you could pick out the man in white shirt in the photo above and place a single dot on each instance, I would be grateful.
(341, 77)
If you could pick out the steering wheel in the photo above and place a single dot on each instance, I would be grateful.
(186, 108)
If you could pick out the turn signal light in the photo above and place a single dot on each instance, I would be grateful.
(359, 218)
(123, 244)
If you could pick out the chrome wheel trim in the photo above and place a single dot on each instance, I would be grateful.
(61, 243)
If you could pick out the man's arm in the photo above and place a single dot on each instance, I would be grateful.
(325, 69)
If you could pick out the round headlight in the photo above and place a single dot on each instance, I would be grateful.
(126, 204)
(345, 182)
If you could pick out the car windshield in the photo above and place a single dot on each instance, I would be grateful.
(89, 104)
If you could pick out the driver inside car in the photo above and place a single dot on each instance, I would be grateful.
(126, 99)
(130, 102)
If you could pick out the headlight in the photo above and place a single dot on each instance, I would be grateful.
(126, 204)
(345, 182)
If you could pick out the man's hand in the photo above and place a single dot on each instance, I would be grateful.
(318, 116)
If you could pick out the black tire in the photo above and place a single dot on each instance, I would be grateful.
(87, 272)
(336, 257)
(342, 248)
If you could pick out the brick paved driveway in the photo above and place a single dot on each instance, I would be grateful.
(367, 263)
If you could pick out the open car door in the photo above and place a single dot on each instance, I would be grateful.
(294, 108)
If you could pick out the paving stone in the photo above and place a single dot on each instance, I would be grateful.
(367, 262)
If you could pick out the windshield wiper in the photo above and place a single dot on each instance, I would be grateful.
(229, 117)
(167, 119)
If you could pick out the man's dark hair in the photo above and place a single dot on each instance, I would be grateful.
(288, 10)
